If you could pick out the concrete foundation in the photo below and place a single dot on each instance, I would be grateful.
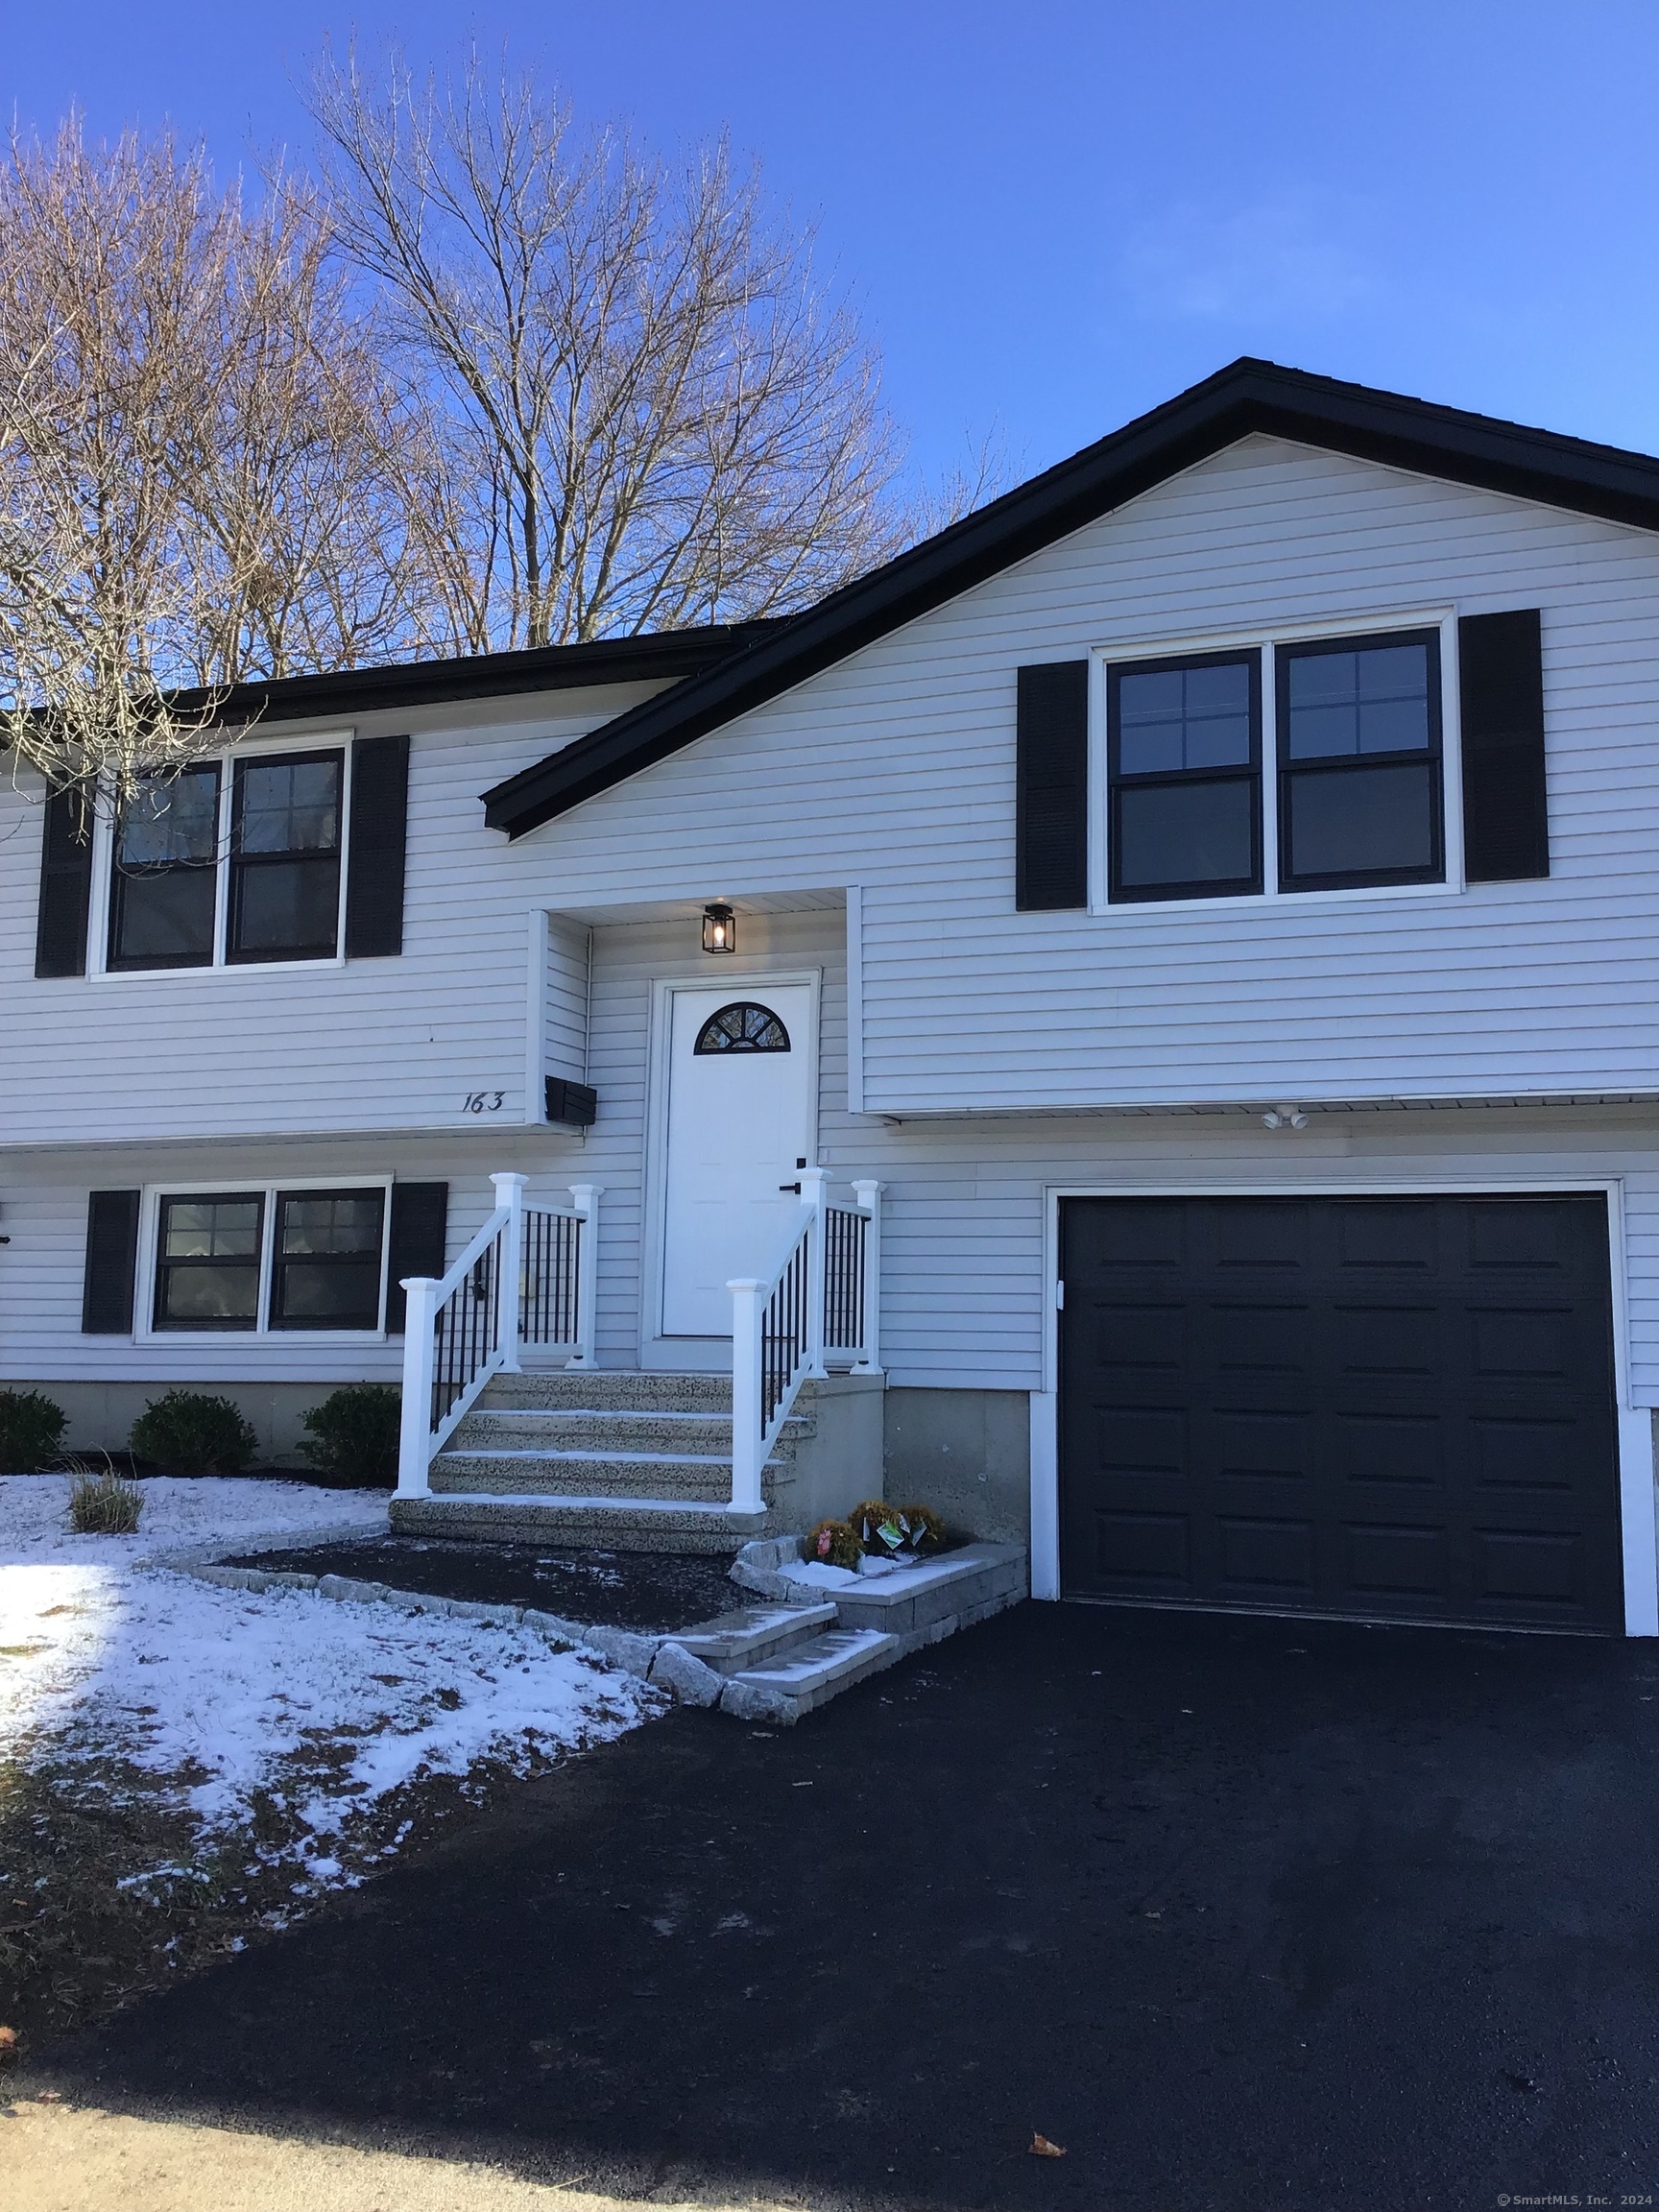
(838, 1458)
(101, 1414)
(965, 1453)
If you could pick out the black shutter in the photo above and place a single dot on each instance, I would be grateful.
(1506, 808)
(419, 1220)
(66, 885)
(111, 1257)
(1051, 786)
(375, 863)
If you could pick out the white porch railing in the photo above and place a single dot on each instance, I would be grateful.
(821, 1303)
(526, 1278)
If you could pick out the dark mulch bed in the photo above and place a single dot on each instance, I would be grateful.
(653, 1591)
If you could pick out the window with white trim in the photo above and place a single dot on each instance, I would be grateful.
(231, 861)
(271, 1258)
(1352, 783)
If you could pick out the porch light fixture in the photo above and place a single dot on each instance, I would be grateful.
(719, 929)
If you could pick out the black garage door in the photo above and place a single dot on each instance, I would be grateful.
(1400, 1408)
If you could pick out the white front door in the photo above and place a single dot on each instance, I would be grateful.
(742, 1067)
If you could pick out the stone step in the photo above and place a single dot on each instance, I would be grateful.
(609, 1390)
(576, 1523)
(809, 1674)
(620, 1475)
(754, 1635)
(590, 1428)
(916, 1604)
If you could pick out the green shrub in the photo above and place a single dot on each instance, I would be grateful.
(188, 1433)
(102, 1504)
(833, 1544)
(926, 1529)
(353, 1437)
(30, 1426)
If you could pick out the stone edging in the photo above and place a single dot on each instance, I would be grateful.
(651, 1658)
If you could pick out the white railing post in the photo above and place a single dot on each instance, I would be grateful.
(812, 1182)
(510, 1194)
(415, 1432)
(585, 1197)
(746, 1438)
(869, 1196)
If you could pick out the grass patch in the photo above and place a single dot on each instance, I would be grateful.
(102, 1505)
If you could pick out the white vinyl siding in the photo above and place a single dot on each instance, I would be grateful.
(964, 1286)
(894, 773)
(568, 960)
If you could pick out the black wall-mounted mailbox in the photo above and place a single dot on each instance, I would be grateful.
(574, 1104)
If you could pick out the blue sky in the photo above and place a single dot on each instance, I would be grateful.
(1057, 215)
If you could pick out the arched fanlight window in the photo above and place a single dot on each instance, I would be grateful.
(743, 1027)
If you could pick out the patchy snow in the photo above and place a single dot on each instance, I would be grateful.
(230, 1692)
(819, 1574)
(208, 1509)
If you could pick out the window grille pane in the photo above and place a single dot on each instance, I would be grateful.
(1362, 821)
(212, 1228)
(289, 805)
(1171, 719)
(1175, 833)
(1374, 699)
(170, 823)
(333, 1223)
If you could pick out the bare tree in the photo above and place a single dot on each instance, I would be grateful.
(205, 472)
(103, 318)
(300, 480)
(655, 416)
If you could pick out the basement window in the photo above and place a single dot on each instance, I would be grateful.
(270, 1259)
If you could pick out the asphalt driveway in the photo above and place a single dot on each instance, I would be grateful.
(1239, 1913)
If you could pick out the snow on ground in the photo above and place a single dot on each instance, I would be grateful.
(232, 1692)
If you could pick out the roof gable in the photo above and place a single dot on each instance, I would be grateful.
(1248, 396)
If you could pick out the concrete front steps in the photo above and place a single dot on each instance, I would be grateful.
(621, 1461)
(637, 1461)
(781, 1660)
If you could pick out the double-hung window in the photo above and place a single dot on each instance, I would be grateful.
(1351, 785)
(1359, 761)
(208, 1259)
(209, 866)
(1183, 743)
(326, 1263)
(270, 1259)
(285, 858)
(165, 874)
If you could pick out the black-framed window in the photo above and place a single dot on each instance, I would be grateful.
(1359, 761)
(1184, 775)
(325, 1264)
(165, 874)
(208, 1255)
(285, 858)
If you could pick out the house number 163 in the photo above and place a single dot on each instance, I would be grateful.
(484, 1102)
